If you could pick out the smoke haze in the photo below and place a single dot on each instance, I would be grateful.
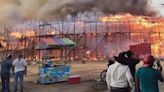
(20, 10)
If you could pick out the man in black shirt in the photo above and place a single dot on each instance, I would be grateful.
(132, 61)
(5, 73)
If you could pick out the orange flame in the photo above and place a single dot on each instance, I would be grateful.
(139, 24)
(30, 34)
(133, 22)
(19, 35)
(16, 34)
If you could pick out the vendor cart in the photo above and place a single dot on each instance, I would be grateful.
(49, 70)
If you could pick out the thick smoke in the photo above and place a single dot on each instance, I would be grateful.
(20, 10)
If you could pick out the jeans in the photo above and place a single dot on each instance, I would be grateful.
(5, 78)
(18, 78)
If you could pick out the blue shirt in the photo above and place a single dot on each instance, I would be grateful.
(5, 67)
(148, 79)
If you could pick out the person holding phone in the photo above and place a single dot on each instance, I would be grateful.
(147, 77)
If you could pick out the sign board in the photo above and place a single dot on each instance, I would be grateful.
(141, 49)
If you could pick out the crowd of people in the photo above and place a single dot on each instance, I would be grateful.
(122, 75)
(18, 67)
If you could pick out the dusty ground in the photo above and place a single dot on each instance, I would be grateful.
(88, 73)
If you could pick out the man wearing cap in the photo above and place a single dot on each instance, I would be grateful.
(118, 76)
(146, 77)
(5, 73)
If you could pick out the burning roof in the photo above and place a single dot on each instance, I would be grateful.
(122, 21)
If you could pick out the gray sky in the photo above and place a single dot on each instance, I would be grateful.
(157, 5)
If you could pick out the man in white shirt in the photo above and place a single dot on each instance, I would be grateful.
(19, 65)
(118, 76)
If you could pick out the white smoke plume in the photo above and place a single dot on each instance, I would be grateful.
(19, 10)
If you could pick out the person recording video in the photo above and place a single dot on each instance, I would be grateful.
(147, 77)
(157, 65)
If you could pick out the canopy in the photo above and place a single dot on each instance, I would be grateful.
(54, 43)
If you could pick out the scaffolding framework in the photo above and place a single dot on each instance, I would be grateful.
(94, 39)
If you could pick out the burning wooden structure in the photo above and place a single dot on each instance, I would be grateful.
(99, 39)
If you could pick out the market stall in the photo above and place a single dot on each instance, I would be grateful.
(49, 70)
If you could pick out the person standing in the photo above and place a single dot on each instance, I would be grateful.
(147, 77)
(20, 68)
(118, 76)
(132, 61)
(5, 73)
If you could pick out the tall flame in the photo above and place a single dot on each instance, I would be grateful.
(140, 24)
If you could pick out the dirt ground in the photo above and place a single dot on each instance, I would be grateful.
(88, 72)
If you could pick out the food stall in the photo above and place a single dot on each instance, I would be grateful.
(49, 70)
